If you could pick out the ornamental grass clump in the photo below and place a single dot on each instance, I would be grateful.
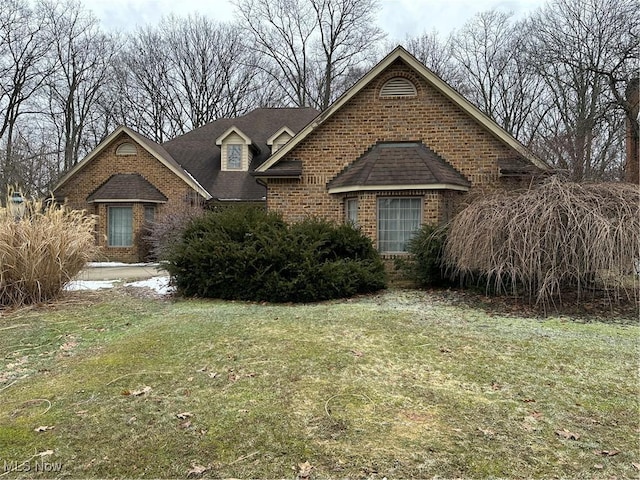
(41, 250)
(559, 241)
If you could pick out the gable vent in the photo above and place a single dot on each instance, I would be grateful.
(398, 87)
(126, 149)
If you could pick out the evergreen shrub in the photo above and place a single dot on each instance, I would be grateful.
(250, 254)
(424, 266)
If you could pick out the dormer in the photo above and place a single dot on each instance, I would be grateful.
(235, 154)
(278, 139)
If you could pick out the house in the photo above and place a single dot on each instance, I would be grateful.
(128, 179)
(399, 149)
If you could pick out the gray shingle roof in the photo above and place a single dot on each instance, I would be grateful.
(198, 153)
(399, 163)
(517, 167)
(126, 186)
(284, 168)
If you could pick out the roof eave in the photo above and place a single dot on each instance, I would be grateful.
(125, 200)
(297, 174)
(369, 188)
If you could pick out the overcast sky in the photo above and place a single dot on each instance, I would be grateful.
(397, 17)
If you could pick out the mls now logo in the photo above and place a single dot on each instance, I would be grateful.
(33, 467)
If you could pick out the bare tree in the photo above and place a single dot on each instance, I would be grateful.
(496, 74)
(185, 73)
(145, 87)
(312, 45)
(209, 71)
(436, 54)
(282, 31)
(23, 47)
(81, 58)
(347, 34)
(585, 51)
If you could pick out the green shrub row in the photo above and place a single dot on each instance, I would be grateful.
(252, 254)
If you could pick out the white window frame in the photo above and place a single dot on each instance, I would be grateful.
(116, 236)
(237, 147)
(351, 211)
(149, 214)
(387, 227)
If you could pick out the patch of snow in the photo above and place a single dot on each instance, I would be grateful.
(90, 285)
(159, 284)
(119, 264)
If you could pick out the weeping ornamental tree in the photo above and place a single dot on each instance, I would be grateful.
(561, 237)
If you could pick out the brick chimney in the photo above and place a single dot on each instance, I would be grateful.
(632, 164)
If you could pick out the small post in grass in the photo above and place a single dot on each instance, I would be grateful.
(17, 205)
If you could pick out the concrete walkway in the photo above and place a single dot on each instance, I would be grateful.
(132, 272)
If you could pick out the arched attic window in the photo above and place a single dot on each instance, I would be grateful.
(398, 87)
(126, 148)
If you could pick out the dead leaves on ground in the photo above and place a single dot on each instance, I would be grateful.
(205, 369)
(567, 435)
(138, 392)
(44, 428)
(184, 416)
(196, 470)
(607, 453)
(304, 471)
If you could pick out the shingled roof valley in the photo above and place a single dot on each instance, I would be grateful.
(198, 154)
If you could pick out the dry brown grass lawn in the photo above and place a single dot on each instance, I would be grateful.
(401, 384)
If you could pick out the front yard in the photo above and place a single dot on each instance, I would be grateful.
(401, 384)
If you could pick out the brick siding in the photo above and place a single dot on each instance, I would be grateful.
(366, 119)
(99, 169)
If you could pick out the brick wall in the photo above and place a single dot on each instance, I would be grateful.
(366, 119)
(99, 169)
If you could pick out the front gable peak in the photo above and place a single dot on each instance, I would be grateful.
(233, 131)
(128, 143)
(398, 87)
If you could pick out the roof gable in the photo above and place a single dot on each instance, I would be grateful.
(198, 153)
(237, 131)
(279, 132)
(157, 151)
(399, 53)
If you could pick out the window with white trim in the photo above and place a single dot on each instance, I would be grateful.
(351, 211)
(149, 214)
(398, 220)
(120, 228)
(234, 156)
